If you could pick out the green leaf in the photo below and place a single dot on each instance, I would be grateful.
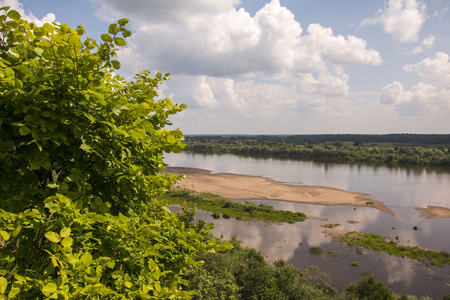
(86, 147)
(67, 242)
(123, 22)
(4, 235)
(53, 237)
(113, 29)
(53, 185)
(15, 290)
(115, 64)
(38, 51)
(24, 130)
(49, 289)
(65, 232)
(3, 285)
(106, 38)
(126, 33)
(14, 15)
(86, 259)
(120, 41)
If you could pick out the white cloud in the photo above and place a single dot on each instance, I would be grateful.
(218, 39)
(325, 92)
(432, 94)
(427, 42)
(26, 15)
(403, 19)
(434, 69)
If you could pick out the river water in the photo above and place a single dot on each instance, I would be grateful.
(402, 189)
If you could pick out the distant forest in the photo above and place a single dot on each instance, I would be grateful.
(392, 149)
(400, 139)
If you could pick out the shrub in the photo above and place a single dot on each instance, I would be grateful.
(315, 250)
(80, 161)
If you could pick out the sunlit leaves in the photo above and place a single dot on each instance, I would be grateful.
(80, 169)
(53, 237)
(106, 37)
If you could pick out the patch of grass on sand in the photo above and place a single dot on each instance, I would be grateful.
(240, 210)
(387, 245)
(315, 250)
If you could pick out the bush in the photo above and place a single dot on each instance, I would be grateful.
(315, 250)
(369, 288)
(80, 161)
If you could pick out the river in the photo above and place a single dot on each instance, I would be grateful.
(402, 189)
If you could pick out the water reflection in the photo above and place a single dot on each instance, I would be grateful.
(402, 189)
(292, 242)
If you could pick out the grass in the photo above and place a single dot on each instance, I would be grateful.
(354, 263)
(384, 244)
(331, 225)
(241, 211)
(315, 250)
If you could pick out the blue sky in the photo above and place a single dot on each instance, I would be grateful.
(283, 66)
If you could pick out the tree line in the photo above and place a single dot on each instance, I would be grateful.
(338, 151)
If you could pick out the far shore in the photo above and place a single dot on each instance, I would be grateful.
(243, 187)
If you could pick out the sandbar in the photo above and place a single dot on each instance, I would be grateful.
(244, 187)
(435, 212)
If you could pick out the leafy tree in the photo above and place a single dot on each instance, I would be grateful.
(368, 288)
(81, 151)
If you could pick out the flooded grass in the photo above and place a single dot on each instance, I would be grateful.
(240, 210)
(385, 244)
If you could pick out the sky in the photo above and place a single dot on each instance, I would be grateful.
(282, 66)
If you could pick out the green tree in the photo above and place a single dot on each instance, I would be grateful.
(368, 288)
(81, 151)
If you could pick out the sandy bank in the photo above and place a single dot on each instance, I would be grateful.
(242, 187)
(435, 212)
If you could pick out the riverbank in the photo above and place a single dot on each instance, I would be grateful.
(243, 187)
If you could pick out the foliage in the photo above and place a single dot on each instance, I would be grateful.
(315, 250)
(284, 147)
(384, 244)
(80, 159)
(369, 288)
(243, 274)
(219, 205)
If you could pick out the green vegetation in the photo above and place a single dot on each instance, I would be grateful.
(242, 211)
(384, 244)
(292, 148)
(80, 161)
(331, 225)
(315, 250)
(370, 289)
(242, 273)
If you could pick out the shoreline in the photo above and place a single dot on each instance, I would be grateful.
(434, 212)
(245, 187)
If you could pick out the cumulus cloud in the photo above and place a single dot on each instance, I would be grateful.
(325, 91)
(430, 95)
(403, 19)
(26, 15)
(427, 42)
(216, 38)
(228, 63)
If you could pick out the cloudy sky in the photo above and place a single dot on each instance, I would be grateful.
(283, 66)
